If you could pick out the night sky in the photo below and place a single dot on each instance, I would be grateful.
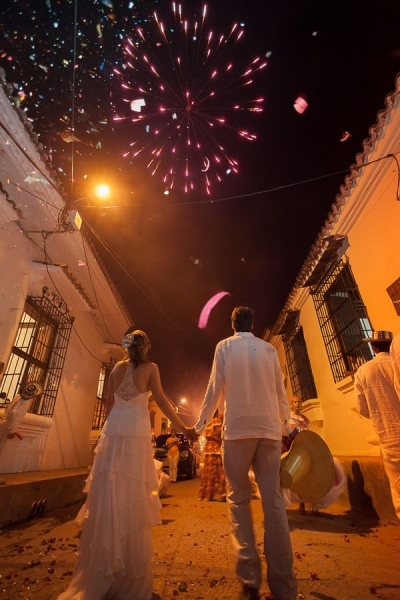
(250, 236)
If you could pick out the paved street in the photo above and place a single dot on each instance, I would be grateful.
(338, 556)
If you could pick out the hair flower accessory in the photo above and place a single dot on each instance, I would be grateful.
(128, 340)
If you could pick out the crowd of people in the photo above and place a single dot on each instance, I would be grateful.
(258, 438)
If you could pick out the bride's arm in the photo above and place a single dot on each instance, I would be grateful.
(162, 399)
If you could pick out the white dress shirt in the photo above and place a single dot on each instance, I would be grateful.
(377, 400)
(247, 369)
(395, 355)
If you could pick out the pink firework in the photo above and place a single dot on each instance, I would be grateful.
(187, 95)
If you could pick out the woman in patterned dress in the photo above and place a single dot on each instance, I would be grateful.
(213, 483)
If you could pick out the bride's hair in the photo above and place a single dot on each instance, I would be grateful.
(137, 344)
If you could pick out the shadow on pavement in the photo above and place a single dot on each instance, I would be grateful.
(329, 522)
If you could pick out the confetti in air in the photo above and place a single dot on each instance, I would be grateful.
(207, 308)
(37, 40)
(345, 136)
(300, 105)
(193, 96)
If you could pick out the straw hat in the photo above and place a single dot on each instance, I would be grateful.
(308, 468)
(379, 336)
(30, 390)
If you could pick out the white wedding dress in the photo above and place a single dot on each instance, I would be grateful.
(115, 556)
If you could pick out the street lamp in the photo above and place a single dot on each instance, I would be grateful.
(102, 190)
(73, 218)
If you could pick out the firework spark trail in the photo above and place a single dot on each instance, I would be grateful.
(185, 84)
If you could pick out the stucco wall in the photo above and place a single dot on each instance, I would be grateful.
(345, 432)
(62, 442)
(367, 211)
(14, 278)
(68, 440)
(37, 248)
(374, 254)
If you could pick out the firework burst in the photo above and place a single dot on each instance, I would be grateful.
(187, 94)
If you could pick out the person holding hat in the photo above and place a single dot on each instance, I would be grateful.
(325, 481)
(377, 400)
(308, 469)
(247, 369)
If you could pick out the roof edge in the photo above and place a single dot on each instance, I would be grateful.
(319, 245)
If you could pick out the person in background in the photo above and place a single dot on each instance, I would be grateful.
(172, 444)
(213, 483)
(377, 399)
(163, 478)
(16, 411)
(297, 418)
(3, 399)
(247, 369)
(115, 554)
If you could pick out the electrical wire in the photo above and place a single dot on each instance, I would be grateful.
(30, 159)
(120, 263)
(73, 90)
(259, 192)
(175, 325)
(398, 174)
(95, 293)
(20, 187)
(207, 201)
(45, 235)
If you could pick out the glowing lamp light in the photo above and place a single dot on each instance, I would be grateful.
(300, 105)
(102, 191)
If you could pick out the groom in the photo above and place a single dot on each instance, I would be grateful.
(247, 368)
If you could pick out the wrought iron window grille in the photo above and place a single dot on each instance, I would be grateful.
(343, 320)
(39, 350)
(299, 366)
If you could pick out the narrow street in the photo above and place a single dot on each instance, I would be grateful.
(338, 555)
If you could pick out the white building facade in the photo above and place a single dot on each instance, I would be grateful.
(61, 319)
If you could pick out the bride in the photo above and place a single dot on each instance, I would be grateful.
(114, 559)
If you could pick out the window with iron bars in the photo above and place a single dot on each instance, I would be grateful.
(300, 373)
(99, 416)
(343, 319)
(39, 350)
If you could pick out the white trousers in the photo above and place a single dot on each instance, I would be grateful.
(264, 456)
(173, 466)
(392, 468)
